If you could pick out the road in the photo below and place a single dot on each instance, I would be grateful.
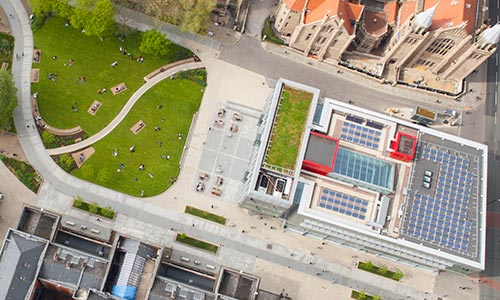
(492, 132)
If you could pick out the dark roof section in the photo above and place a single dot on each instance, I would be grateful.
(19, 264)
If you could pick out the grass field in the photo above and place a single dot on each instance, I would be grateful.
(180, 99)
(205, 215)
(92, 59)
(290, 124)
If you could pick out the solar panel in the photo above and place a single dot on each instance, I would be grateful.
(374, 125)
(440, 219)
(342, 203)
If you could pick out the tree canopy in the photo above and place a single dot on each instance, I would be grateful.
(95, 16)
(154, 42)
(8, 98)
(191, 15)
(44, 7)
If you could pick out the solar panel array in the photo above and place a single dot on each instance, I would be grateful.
(342, 203)
(360, 135)
(441, 219)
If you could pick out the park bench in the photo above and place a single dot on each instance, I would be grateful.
(166, 67)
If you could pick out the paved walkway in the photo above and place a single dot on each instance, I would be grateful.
(143, 219)
(126, 109)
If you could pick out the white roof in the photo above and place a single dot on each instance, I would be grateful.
(424, 19)
(492, 34)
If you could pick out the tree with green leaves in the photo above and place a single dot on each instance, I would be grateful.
(94, 16)
(154, 42)
(48, 7)
(190, 15)
(8, 98)
(101, 20)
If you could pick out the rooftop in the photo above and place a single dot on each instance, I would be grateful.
(238, 285)
(37, 222)
(19, 260)
(451, 13)
(65, 265)
(423, 189)
(289, 124)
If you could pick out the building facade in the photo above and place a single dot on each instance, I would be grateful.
(429, 44)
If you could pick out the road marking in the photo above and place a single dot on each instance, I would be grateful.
(496, 98)
(495, 118)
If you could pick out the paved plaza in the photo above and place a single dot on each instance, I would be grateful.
(226, 153)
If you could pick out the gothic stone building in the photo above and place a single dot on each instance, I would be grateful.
(432, 44)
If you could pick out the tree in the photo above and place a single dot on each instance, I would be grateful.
(196, 15)
(154, 42)
(8, 98)
(47, 7)
(95, 16)
(101, 21)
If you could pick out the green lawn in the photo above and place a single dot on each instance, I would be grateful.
(205, 215)
(290, 125)
(92, 59)
(183, 238)
(180, 99)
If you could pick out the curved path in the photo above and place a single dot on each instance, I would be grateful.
(126, 109)
(61, 183)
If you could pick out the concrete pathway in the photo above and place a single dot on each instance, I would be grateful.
(126, 109)
(15, 196)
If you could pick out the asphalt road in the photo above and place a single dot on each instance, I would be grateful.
(492, 133)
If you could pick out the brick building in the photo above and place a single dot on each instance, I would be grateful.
(426, 43)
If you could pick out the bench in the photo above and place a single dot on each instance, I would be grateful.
(118, 88)
(166, 67)
(37, 55)
(5, 65)
(35, 75)
(138, 127)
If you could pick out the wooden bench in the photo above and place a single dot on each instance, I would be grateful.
(118, 88)
(37, 55)
(5, 65)
(138, 127)
(35, 75)
(166, 67)
(94, 107)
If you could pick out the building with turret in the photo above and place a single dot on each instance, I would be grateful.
(429, 44)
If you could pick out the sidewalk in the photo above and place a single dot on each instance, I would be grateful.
(469, 100)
